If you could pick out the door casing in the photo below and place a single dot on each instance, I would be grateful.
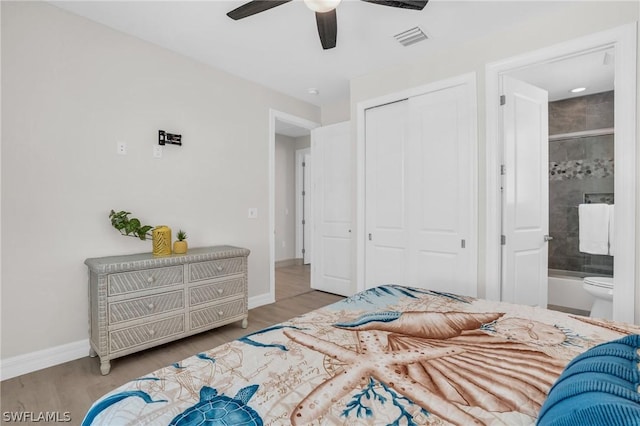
(274, 116)
(623, 40)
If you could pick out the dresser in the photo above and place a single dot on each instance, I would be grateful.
(140, 301)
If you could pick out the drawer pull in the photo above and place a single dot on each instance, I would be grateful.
(150, 279)
(219, 268)
(220, 313)
(220, 291)
(152, 332)
(150, 306)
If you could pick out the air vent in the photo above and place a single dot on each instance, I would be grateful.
(412, 36)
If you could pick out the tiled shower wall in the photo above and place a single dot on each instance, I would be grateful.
(578, 169)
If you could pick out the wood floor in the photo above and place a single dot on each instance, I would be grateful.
(72, 387)
(292, 281)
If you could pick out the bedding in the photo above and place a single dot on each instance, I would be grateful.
(390, 355)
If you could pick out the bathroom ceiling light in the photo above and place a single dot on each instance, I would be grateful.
(578, 90)
(313, 91)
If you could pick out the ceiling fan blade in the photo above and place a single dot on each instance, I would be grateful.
(404, 4)
(253, 7)
(327, 28)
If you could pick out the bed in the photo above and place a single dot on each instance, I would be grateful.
(390, 355)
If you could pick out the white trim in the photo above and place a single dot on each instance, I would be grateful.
(34, 361)
(260, 300)
(297, 121)
(464, 79)
(623, 39)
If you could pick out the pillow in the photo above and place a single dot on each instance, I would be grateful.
(598, 387)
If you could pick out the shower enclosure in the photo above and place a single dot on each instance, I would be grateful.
(581, 170)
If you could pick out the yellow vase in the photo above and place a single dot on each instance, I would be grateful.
(161, 236)
(179, 247)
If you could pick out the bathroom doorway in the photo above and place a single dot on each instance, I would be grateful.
(612, 46)
(580, 169)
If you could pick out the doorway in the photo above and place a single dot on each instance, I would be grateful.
(289, 137)
(622, 42)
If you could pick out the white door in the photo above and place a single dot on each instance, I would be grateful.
(386, 157)
(303, 205)
(306, 207)
(420, 208)
(331, 238)
(441, 208)
(525, 193)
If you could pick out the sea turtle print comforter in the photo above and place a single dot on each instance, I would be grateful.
(390, 355)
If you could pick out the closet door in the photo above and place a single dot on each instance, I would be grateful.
(420, 191)
(386, 216)
(442, 250)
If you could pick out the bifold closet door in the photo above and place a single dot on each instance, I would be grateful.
(386, 216)
(419, 192)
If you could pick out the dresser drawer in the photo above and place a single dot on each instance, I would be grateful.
(216, 268)
(213, 314)
(141, 307)
(210, 292)
(141, 334)
(127, 282)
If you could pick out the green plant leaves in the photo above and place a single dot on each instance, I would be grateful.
(129, 227)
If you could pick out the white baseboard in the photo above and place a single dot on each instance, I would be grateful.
(260, 300)
(34, 361)
(288, 262)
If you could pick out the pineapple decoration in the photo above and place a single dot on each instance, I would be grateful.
(180, 246)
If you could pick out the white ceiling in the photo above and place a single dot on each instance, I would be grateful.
(594, 71)
(280, 48)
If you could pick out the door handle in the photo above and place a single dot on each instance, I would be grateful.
(548, 238)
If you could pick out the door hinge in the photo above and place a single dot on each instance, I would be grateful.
(503, 99)
(370, 236)
(503, 240)
(304, 193)
(503, 169)
(304, 164)
(463, 243)
(303, 251)
(304, 221)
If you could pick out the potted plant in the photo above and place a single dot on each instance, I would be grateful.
(129, 227)
(180, 246)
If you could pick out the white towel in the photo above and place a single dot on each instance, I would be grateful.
(611, 215)
(593, 228)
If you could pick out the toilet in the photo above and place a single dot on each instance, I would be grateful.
(601, 288)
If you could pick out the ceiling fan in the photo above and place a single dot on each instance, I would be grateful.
(325, 13)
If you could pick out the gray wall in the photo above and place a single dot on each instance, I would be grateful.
(580, 170)
(285, 194)
(72, 88)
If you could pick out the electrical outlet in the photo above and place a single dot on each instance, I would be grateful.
(122, 148)
(253, 213)
(157, 151)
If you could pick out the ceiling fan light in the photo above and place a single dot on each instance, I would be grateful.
(322, 6)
